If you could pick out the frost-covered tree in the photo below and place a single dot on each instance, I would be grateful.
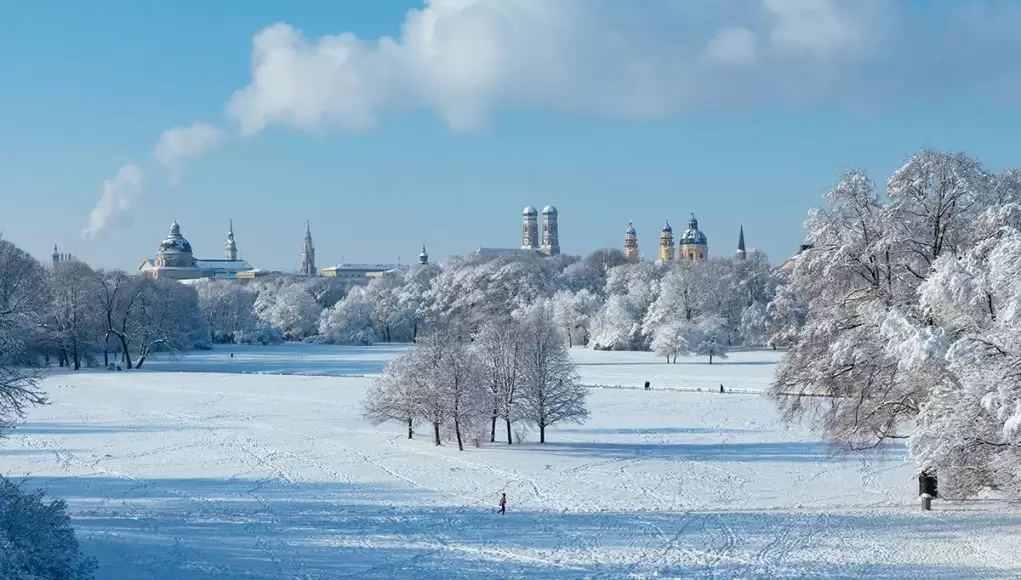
(392, 397)
(74, 320)
(168, 319)
(860, 285)
(228, 309)
(291, 309)
(499, 350)
(550, 392)
(708, 337)
(615, 326)
(969, 427)
(36, 538)
(573, 312)
(23, 301)
(671, 339)
(350, 321)
(118, 295)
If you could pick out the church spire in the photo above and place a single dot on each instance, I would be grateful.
(231, 251)
(741, 253)
(308, 253)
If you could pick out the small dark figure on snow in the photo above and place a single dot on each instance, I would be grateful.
(231, 355)
(721, 388)
(647, 385)
(503, 503)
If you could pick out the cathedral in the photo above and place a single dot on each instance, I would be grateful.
(530, 243)
(175, 260)
(693, 246)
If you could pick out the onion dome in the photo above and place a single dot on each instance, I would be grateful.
(549, 210)
(175, 242)
(666, 227)
(631, 229)
(529, 211)
(693, 236)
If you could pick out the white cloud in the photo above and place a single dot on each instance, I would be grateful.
(179, 142)
(734, 45)
(118, 193)
(465, 59)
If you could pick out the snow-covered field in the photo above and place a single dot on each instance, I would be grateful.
(260, 466)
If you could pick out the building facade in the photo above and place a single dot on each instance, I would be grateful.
(176, 261)
(530, 227)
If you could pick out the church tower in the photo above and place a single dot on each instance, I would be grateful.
(56, 254)
(308, 254)
(694, 246)
(423, 258)
(631, 244)
(530, 237)
(231, 251)
(666, 243)
(741, 253)
(550, 231)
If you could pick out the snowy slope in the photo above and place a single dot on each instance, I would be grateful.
(274, 475)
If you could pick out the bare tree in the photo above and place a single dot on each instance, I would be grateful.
(550, 392)
(74, 313)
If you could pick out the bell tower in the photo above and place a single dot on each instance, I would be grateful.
(308, 253)
(231, 251)
(631, 244)
(666, 243)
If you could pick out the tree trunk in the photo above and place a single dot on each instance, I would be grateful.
(457, 432)
(542, 433)
(509, 440)
(436, 432)
(710, 358)
(492, 431)
(410, 430)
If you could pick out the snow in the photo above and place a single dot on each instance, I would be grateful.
(260, 466)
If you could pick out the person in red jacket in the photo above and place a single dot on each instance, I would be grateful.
(503, 503)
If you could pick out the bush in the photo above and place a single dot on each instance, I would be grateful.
(36, 538)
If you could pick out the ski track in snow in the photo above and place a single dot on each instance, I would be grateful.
(220, 475)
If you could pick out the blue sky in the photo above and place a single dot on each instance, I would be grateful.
(741, 111)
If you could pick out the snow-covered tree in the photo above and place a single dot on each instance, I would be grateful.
(708, 337)
(573, 312)
(671, 339)
(228, 309)
(291, 309)
(615, 326)
(392, 397)
(36, 538)
(23, 300)
(861, 282)
(350, 320)
(168, 319)
(74, 320)
(550, 392)
(499, 349)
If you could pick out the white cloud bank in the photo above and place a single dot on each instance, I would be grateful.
(465, 59)
(118, 193)
(644, 59)
(181, 142)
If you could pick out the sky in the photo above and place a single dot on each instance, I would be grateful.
(389, 124)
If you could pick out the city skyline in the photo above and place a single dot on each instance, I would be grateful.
(746, 115)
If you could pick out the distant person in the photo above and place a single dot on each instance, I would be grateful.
(231, 355)
(721, 388)
(503, 503)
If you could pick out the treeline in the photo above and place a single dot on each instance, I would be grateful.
(600, 301)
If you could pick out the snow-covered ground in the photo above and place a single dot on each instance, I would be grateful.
(252, 467)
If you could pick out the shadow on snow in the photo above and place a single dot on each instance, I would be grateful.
(205, 528)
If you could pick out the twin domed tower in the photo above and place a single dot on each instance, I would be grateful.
(693, 246)
(550, 231)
